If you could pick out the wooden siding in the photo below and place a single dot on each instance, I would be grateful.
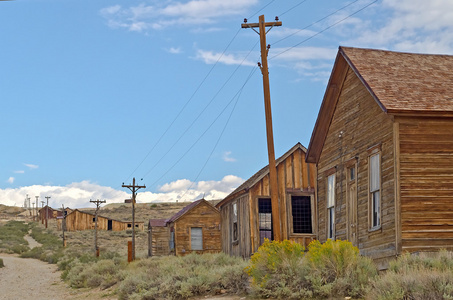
(160, 240)
(205, 216)
(242, 247)
(358, 123)
(294, 177)
(78, 220)
(426, 178)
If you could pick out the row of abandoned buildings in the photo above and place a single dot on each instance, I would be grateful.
(378, 170)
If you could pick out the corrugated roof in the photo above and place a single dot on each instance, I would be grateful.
(157, 223)
(405, 82)
(260, 174)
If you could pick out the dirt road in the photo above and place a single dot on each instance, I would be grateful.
(31, 279)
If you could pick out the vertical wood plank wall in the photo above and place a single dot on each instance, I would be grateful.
(426, 171)
(78, 220)
(160, 240)
(293, 176)
(362, 124)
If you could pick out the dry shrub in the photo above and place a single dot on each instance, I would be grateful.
(332, 269)
(182, 277)
(423, 276)
(1, 263)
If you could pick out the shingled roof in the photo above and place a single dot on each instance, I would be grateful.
(404, 82)
(259, 175)
(400, 83)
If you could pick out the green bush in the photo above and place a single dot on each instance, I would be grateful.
(335, 268)
(1, 263)
(423, 276)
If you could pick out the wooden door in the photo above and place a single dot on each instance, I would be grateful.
(351, 197)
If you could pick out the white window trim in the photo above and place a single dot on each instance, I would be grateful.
(330, 230)
(371, 192)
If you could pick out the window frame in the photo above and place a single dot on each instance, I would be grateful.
(259, 218)
(374, 213)
(191, 240)
(330, 208)
(234, 222)
(290, 212)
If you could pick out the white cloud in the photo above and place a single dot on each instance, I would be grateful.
(79, 194)
(19, 172)
(210, 57)
(173, 50)
(30, 166)
(411, 25)
(163, 14)
(10, 180)
(226, 157)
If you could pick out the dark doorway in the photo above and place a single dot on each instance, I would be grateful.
(265, 219)
(109, 225)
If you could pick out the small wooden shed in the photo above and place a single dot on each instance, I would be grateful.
(383, 147)
(246, 213)
(51, 213)
(195, 228)
(82, 220)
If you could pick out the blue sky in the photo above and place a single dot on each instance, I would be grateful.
(94, 93)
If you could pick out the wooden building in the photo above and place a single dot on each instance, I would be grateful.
(195, 228)
(47, 212)
(383, 146)
(246, 212)
(82, 220)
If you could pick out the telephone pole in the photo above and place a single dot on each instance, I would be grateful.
(47, 209)
(42, 206)
(276, 224)
(37, 206)
(133, 188)
(98, 203)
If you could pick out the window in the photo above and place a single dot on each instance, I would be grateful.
(375, 190)
(129, 225)
(172, 239)
(196, 238)
(265, 219)
(331, 206)
(235, 222)
(301, 214)
(351, 172)
(94, 219)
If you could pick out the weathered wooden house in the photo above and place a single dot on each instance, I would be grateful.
(82, 220)
(246, 212)
(383, 146)
(195, 228)
(47, 212)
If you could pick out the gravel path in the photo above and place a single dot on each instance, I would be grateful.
(30, 279)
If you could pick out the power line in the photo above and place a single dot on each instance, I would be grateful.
(199, 138)
(261, 9)
(185, 105)
(325, 29)
(320, 20)
(220, 136)
(291, 8)
(199, 115)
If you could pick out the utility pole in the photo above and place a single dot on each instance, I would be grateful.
(33, 211)
(42, 206)
(133, 188)
(47, 209)
(277, 230)
(63, 224)
(37, 206)
(98, 203)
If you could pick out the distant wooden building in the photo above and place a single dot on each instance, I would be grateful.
(47, 212)
(383, 146)
(246, 212)
(82, 220)
(195, 228)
